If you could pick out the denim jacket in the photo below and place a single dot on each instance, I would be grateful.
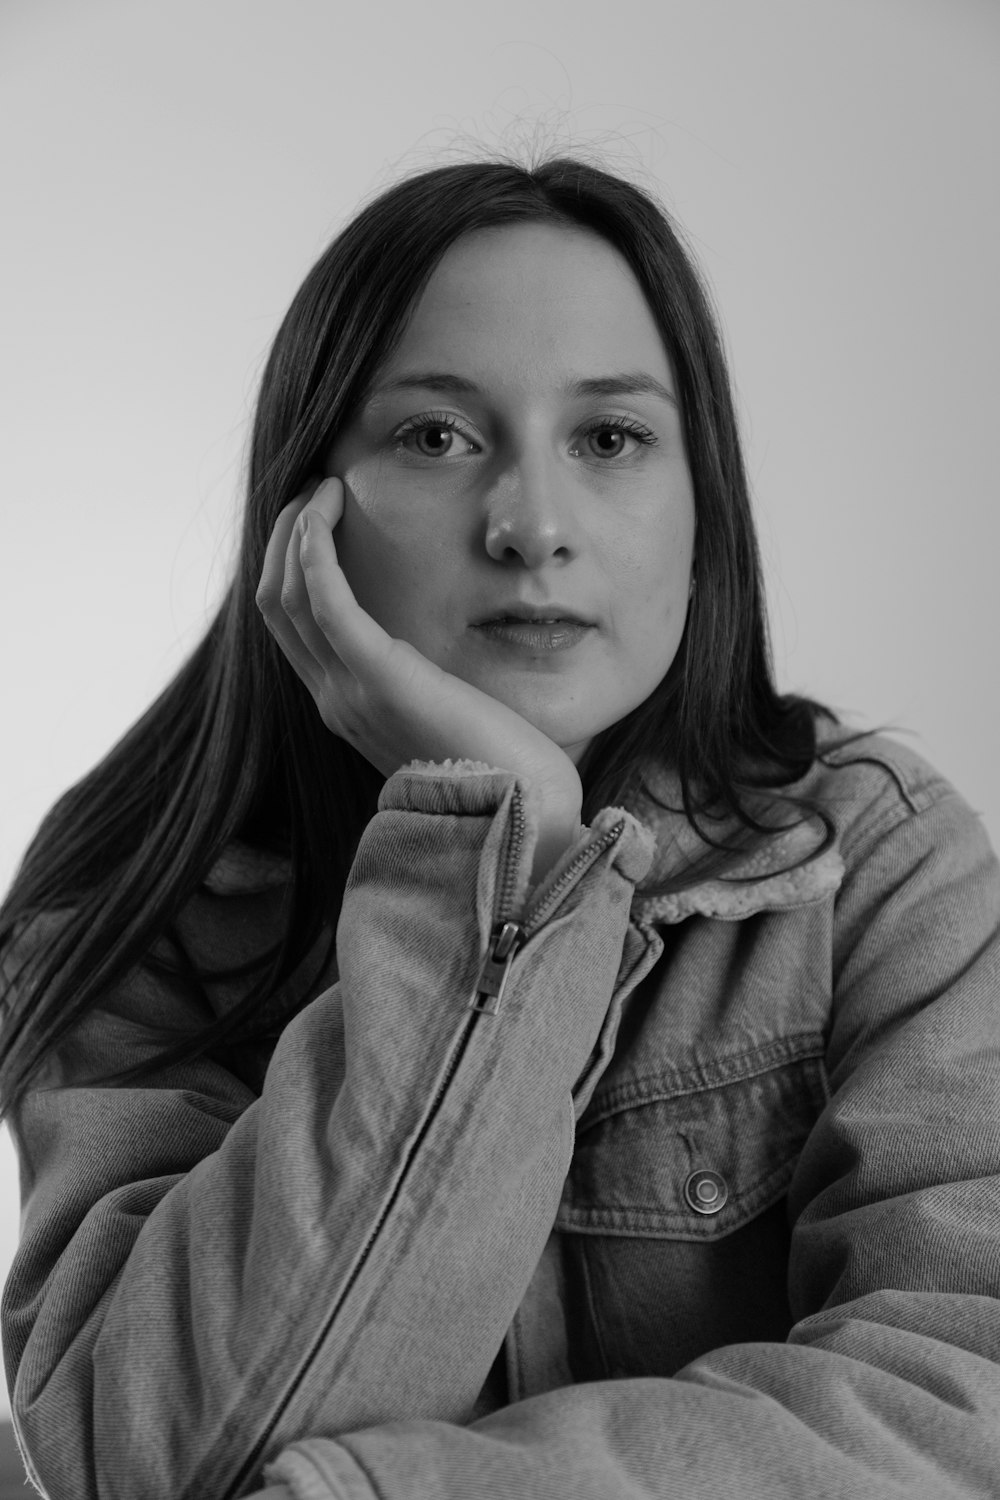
(544, 1194)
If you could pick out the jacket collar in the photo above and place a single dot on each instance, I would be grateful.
(687, 877)
(781, 869)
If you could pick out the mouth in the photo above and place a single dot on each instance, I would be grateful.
(556, 614)
(542, 620)
(533, 639)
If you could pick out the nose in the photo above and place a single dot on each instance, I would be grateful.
(528, 514)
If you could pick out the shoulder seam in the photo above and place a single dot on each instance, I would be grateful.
(918, 797)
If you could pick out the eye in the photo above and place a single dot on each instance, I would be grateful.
(434, 434)
(613, 434)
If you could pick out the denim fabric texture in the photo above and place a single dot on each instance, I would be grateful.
(710, 1207)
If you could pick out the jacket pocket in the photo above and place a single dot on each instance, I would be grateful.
(673, 1216)
(693, 1154)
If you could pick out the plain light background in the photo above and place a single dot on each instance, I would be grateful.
(170, 172)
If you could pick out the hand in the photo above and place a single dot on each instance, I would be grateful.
(382, 695)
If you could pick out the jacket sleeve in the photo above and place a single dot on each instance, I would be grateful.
(888, 1386)
(204, 1275)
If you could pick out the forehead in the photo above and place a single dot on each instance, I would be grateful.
(533, 295)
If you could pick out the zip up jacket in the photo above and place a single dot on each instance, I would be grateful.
(580, 1191)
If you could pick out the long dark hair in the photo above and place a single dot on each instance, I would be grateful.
(234, 748)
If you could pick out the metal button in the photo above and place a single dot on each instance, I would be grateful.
(706, 1192)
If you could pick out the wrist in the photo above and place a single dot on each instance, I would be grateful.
(554, 838)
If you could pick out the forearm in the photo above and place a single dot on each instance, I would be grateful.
(353, 1248)
(752, 1422)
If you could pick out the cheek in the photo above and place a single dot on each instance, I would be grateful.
(387, 556)
(654, 577)
(364, 542)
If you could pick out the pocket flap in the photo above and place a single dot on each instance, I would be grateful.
(694, 1154)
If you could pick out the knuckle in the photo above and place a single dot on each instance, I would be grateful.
(287, 599)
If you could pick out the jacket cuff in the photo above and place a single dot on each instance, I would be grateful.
(465, 787)
(472, 788)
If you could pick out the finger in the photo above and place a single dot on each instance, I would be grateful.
(359, 642)
(326, 500)
(270, 589)
(298, 607)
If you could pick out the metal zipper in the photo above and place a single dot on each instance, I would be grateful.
(505, 895)
(508, 937)
(545, 900)
(458, 1049)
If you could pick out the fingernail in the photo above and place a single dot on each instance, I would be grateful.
(303, 524)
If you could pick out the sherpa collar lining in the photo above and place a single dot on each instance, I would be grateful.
(753, 874)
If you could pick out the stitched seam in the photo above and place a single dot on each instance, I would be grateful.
(677, 1224)
(890, 820)
(518, 1359)
(588, 1292)
(633, 1095)
(918, 796)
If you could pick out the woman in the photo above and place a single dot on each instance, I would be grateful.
(473, 1036)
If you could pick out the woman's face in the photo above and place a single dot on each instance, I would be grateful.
(523, 445)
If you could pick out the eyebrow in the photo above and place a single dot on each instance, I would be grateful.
(630, 383)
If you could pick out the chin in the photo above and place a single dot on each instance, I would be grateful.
(571, 737)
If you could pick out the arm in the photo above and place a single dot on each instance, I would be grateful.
(889, 1383)
(203, 1277)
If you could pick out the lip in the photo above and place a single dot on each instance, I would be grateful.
(554, 613)
(534, 636)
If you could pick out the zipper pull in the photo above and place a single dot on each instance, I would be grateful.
(487, 996)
